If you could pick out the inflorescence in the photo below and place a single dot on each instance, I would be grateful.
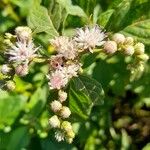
(65, 64)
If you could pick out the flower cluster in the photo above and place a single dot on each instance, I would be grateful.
(64, 66)
(129, 47)
(20, 52)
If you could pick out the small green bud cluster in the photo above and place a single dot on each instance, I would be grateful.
(129, 47)
(63, 128)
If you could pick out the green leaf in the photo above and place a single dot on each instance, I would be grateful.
(19, 139)
(72, 9)
(84, 93)
(140, 31)
(118, 17)
(10, 107)
(104, 17)
(40, 21)
(37, 101)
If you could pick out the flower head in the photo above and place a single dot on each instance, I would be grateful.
(62, 96)
(22, 52)
(59, 135)
(65, 112)
(54, 122)
(65, 46)
(88, 38)
(57, 80)
(23, 33)
(56, 106)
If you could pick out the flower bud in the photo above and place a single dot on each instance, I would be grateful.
(66, 126)
(23, 33)
(70, 134)
(7, 70)
(56, 106)
(65, 112)
(129, 41)
(129, 50)
(54, 122)
(143, 57)
(69, 140)
(22, 70)
(10, 85)
(118, 38)
(110, 47)
(139, 48)
(62, 96)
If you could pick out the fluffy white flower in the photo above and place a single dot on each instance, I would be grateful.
(54, 122)
(57, 80)
(65, 112)
(59, 135)
(22, 52)
(72, 70)
(56, 106)
(88, 38)
(65, 47)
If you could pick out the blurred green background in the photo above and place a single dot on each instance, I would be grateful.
(122, 121)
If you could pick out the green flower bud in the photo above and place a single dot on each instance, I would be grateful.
(66, 126)
(143, 57)
(129, 50)
(139, 48)
(7, 70)
(70, 134)
(129, 41)
(10, 85)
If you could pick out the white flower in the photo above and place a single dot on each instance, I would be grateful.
(65, 46)
(56, 61)
(110, 47)
(72, 70)
(88, 38)
(65, 112)
(118, 38)
(22, 52)
(59, 135)
(54, 122)
(57, 80)
(56, 106)
(23, 33)
(62, 96)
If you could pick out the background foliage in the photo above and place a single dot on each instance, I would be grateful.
(118, 121)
